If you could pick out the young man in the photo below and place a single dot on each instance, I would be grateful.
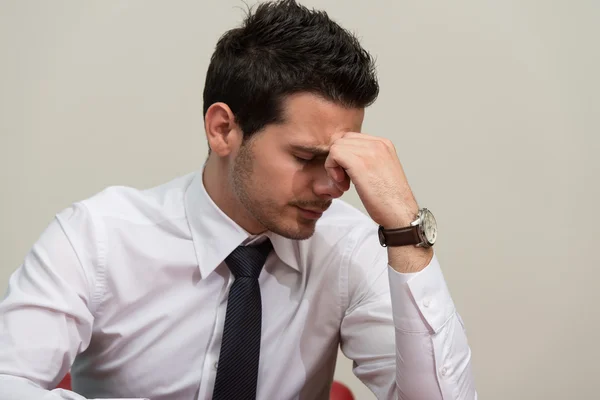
(241, 280)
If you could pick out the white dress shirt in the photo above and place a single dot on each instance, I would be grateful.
(128, 290)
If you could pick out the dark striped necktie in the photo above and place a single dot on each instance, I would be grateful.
(237, 368)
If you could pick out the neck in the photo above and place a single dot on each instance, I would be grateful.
(219, 189)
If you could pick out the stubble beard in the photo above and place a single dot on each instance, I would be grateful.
(265, 212)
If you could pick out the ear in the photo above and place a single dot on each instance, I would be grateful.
(222, 132)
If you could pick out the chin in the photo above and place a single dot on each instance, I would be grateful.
(298, 231)
(301, 235)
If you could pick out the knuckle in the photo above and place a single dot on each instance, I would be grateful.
(333, 149)
(387, 143)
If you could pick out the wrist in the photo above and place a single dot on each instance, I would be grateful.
(400, 217)
(409, 259)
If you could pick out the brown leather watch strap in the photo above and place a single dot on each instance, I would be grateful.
(401, 236)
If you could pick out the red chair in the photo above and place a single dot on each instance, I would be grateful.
(339, 391)
(65, 383)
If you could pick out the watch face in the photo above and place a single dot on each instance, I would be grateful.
(429, 226)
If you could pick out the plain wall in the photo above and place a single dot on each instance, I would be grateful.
(494, 108)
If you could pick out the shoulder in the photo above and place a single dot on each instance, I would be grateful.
(139, 206)
(122, 211)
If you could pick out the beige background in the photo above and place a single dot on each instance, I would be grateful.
(494, 108)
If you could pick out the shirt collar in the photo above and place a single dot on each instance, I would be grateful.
(215, 235)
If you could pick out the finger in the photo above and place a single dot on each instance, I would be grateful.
(337, 174)
(364, 138)
(338, 164)
(367, 141)
(356, 135)
(344, 185)
(368, 152)
(339, 177)
(334, 170)
(344, 155)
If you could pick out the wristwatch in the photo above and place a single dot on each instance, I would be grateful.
(422, 232)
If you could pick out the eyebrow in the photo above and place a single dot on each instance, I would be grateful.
(315, 150)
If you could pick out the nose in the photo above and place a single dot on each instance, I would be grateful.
(325, 187)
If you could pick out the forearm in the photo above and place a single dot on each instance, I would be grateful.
(429, 368)
(433, 358)
(15, 387)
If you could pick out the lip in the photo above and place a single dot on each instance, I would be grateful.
(310, 214)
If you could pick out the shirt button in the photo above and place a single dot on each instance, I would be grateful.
(444, 371)
(216, 365)
(427, 302)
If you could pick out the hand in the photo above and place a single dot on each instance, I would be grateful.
(373, 166)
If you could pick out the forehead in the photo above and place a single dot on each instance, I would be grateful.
(312, 120)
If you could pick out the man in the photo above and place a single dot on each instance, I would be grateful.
(241, 280)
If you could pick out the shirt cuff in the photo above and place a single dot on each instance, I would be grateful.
(421, 301)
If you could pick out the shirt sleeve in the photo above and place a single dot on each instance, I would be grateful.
(402, 331)
(46, 316)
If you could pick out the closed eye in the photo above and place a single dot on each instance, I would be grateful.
(304, 159)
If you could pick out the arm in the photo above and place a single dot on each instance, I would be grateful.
(47, 315)
(401, 348)
(432, 355)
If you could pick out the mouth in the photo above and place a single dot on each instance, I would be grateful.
(311, 213)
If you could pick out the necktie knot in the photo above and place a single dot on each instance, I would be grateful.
(247, 261)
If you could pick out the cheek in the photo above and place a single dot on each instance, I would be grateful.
(301, 183)
(284, 180)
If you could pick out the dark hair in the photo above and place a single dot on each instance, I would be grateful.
(284, 48)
